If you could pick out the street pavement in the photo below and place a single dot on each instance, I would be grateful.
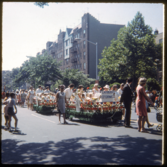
(44, 141)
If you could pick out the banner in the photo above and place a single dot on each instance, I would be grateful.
(108, 96)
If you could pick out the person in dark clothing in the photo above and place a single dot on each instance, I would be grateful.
(126, 98)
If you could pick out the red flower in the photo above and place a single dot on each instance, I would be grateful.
(100, 88)
(87, 87)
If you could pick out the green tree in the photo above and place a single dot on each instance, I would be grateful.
(76, 77)
(152, 84)
(132, 54)
(39, 70)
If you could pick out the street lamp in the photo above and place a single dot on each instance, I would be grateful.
(96, 54)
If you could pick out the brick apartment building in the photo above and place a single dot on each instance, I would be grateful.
(74, 50)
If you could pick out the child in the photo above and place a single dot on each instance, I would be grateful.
(11, 113)
(5, 111)
(83, 98)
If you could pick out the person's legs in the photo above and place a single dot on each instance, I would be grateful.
(147, 120)
(127, 116)
(139, 123)
(64, 117)
(59, 117)
(6, 121)
(9, 122)
(16, 121)
(143, 122)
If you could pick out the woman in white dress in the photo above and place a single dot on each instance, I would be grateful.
(31, 96)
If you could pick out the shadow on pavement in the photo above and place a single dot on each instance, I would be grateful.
(95, 150)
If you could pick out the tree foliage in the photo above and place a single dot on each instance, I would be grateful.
(76, 77)
(133, 54)
(39, 70)
(152, 84)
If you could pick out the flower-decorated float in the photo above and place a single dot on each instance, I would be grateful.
(44, 102)
(101, 107)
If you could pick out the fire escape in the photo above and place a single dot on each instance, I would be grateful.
(74, 50)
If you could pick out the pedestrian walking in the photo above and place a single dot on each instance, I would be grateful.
(11, 103)
(23, 97)
(6, 116)
(141, 105)
(126, 98)
(31, 95)
(61, 100)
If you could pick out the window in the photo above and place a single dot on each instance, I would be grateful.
(78, 35)
(84, 55)
(66, 51)
(67, 43)
(84, 65)
(78, 56)
(84, 44)
(83, 33)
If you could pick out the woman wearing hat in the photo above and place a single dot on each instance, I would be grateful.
(96, 90)
(141, 104)
(106, 88)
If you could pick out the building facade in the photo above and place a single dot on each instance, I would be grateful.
(76, 48)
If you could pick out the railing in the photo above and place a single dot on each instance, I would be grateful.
(74, 60)
(73, 49)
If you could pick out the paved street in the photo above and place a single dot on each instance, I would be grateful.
(45, 141)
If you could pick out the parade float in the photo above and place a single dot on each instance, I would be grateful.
(101, 108)
(44, 103)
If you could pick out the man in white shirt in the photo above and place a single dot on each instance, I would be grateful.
(47, 90)
(120, 90)
(68, 91)
(39, 90)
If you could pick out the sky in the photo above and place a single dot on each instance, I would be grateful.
(26, 27)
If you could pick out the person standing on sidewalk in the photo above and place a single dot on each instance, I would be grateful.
(141, 104)
(126, 98)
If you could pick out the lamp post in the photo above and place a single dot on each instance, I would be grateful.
(96, 54)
